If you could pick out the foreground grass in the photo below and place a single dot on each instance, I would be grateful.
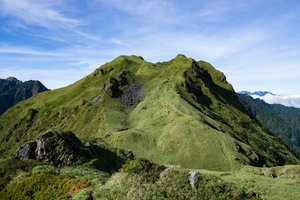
(284, 184)
(141, 179)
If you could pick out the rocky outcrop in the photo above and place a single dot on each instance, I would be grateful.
(64, 149)
(51, 146)
(27, 150)
(132, 95)
(124, 87)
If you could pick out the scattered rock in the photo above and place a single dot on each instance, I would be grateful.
(222, 78)
(124, 87)
(123, 77)
(82, 102)
(112, 85)
(129, 154)
(132, 95)
(192, 178)
(95, 100)
(268, 173)
(27, 150)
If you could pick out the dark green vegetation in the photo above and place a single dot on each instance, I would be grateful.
(84, 179)
(13, 91)
(281, 120)
(177, 112)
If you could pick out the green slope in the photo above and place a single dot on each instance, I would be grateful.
(89, 178)
(280, 120)
(187, 114)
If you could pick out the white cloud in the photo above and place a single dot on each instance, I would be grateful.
(37, 13)
(51, 78)
(291, 100)
(27, 50)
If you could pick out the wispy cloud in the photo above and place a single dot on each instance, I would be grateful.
(37, 13)
(238, 37)
(27, 50)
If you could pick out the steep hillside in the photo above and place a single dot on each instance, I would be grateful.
(280, 120)
(176, 112)
(13, 91)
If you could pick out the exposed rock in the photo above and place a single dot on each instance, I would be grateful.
(112, 85)
(26, 151)
(64, 149)
(129, 154)
(82, 102)
(268, 173)
(95, 100)
(50, 146)
(123, 77)
(192, 179)
(222, 78)
(132, 95)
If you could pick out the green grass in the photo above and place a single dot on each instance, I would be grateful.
(285, 185)
(39, 186)
(141, 179)
(169, 126)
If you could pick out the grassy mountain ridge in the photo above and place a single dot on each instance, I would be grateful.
(176, 112)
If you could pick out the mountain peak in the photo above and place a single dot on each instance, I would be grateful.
(169, 112)
(258, 93)
(12, 79)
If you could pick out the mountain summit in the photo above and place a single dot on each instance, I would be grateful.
(177, 112)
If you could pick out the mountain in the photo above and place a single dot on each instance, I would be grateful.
(139, 130)
(179, 112)
(13, 91)
(286, 100)
(280, 120)
(258, 93)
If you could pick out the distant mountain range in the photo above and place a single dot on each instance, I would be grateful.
(13, 91)
(269, 97)
(280, 120)
(258, 93)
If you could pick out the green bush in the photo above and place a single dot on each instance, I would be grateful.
(39, 186)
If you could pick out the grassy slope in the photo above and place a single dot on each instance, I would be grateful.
(143, 180)
(169, 126)
(284, 186)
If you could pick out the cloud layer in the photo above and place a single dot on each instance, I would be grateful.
(291, 100)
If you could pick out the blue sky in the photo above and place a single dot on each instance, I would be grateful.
(255, 43)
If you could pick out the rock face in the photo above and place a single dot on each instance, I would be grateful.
(64, 149)
(132, 95)
(50, 146)
(27, 151)
(13, 91)
(124, 87)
